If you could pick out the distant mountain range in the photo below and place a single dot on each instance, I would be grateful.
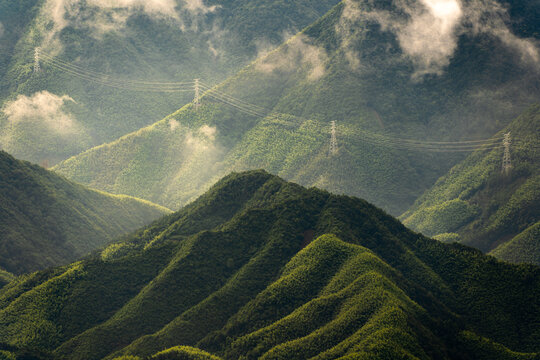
(394, 106)
(65, 108)
(46, 220)
(478, 204)
(261, 268)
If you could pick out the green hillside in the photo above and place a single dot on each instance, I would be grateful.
(276, 113)
(5, 277)
(92, 43)
(46, 220)
(261, 268)
(484, 207)
(524, 247)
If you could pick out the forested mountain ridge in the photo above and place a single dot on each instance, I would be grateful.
(349, 67)
(261, 268)
(480, 205)
(131, 47)
(46, 220)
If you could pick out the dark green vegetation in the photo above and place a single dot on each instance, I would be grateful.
(46, 220)
(130, 45)
(5, 277)
(484, 207)
(345, 68)
(523, 247)
(176, 353)
(261, 268)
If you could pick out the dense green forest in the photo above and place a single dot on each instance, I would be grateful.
(5, 277)
(152, 43)
(479, 205)
(275, 114)
(261, 268)
(285, 137)
(46, 220)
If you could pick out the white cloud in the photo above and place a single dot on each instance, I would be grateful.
(488, 16)
(42, 108)
(199, 158)
(345, 29)
(163, 7)
(297, 52)
(202, 140)
(197, 6)
(429, 38)
(428, 30)
(208, 131)
(99, 16)
(173, 124)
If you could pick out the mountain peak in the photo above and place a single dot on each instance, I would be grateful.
(259, 267)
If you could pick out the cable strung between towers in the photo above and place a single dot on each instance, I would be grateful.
(202, 90)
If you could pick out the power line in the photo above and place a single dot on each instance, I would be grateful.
(376, 139)
(106, 80)
(103, 75)
(248, 110)
(333, 140)
(229, 97)
(259, 111)
(196, 101)
(507, 161)
(36, 60)
(118, 85)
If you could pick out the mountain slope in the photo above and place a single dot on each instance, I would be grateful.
(5, 277)
(131, 46)
(46, 220)
(261, 268)
(485, 207)
(276, 114)
(524, 247)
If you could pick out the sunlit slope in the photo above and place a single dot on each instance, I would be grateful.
(524, 247)
(261, 268)
(171, 164)
(276, 113)
(46, 220)
(85, 45)
(485, 207)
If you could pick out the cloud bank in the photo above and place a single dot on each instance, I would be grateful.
(163, 7)
(296, 53)
(173, 124)
(43, 108)
(199, 156)
(428, 30)
(197, 6)
(101, 16)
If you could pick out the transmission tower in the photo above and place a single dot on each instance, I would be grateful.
(36, 60)
(196, 101)
(507, 161)
(333, 140)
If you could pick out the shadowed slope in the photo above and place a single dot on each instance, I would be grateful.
(275, 114)
(46, 220)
